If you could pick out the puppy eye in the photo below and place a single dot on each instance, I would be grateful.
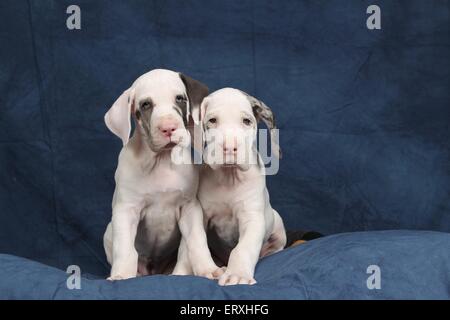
(179, 98)
(145, 105)
(212, 120)
(247, 121)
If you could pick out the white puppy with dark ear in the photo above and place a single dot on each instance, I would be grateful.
(154, 205)
(242, 225)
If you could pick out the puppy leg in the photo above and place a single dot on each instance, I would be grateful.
(183, 266)
(277, 239)
(124, 254)
(194, 235)
(107, 243)
(243, 258)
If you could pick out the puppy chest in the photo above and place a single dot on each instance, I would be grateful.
(166, 180)
(211, 191)
(158, 230)
(224, 224)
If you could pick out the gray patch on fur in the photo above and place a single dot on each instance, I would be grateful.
(262, 112)
(143, 117)
(181, 105)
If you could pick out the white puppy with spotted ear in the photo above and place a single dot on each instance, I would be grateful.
(242, 225)
(155, 210)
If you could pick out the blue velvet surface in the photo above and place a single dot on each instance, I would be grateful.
(333, 267)
(363, 117)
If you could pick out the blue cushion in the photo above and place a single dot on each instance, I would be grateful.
(363, 121)
(413, 265)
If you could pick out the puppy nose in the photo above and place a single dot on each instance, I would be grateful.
(229, 148)
(167, 127)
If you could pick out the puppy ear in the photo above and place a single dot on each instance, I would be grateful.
(202, 110)
(118, 117)
(196, 91)
(264, 113)
(199, 133)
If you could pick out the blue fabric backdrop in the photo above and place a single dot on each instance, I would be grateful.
(363, 114)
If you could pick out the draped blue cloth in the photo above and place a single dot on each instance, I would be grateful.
(364, 123)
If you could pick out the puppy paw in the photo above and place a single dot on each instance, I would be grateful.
(212, 273)
(121, 277)
(181, 271)
(230, 279)
(114, 278)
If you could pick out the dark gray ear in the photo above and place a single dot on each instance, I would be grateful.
(196, 91)
(264, 113)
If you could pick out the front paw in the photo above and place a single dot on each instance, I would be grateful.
(181, 271)
(211, 273)
(114, 278)
(230, 278)
(120, 276)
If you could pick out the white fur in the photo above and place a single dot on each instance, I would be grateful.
(242, 224)
(154, 205)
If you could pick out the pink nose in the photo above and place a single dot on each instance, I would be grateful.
(167, 127)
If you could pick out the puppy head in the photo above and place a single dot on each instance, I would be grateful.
(161, 101)
(229, 118)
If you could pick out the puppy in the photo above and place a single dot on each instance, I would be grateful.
(154, 207)
(242, 226)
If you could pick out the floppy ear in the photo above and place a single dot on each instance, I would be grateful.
(196, 91)
(201, 111)
(264, 113)
(118, 117)
(199, 133)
